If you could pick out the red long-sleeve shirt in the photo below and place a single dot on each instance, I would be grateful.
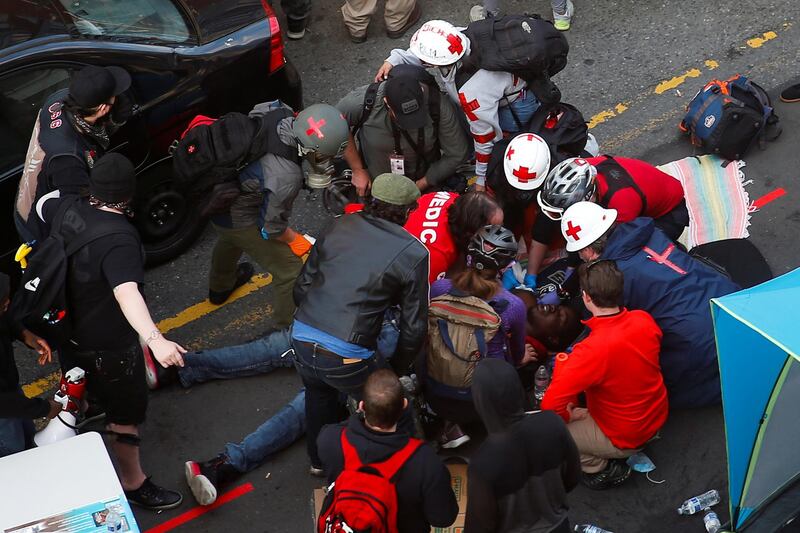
(662, 191)
(617, 367)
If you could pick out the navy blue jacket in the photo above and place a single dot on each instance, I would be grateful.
(675, 289)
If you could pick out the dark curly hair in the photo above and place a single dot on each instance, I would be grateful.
(391, 212)
(469, 213)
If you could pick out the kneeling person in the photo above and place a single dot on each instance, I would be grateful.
(617, 367)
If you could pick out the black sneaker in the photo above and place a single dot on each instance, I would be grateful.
(244, 272)
(157, 376)
(151, 496)
(791, 94)
(615, 473)
(207, 478)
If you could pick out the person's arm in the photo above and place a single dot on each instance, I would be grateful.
(543, 233)
(516, 317)
(439, 501)
(279, 195)
(480, 99)
(396, 57)
(573, 374)
(453, 144)
(352, 107)
(133, 306)
(628, 204)
(413, 316)
(69, 174)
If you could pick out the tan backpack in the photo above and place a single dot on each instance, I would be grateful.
(459, 329)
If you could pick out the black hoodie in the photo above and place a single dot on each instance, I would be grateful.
(520, 476)
(424, 495)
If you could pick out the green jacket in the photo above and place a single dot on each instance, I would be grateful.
(376, 140)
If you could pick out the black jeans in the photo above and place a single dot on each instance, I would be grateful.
(326, 376)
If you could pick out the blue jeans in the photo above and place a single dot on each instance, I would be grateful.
(16, 435)
(260, 357)
(524, 108)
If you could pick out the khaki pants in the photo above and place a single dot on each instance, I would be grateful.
(357, 13)
(595, 448)
(273, 256)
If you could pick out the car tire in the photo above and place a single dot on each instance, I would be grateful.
(168, 220)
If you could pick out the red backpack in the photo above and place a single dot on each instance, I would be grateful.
(363, 497)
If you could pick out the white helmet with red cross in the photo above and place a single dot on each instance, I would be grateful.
(585, 222)
(526, 161)
(438, 43)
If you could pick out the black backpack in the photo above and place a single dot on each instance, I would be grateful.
(41, 301)
(617, 178)
(209, 155)
(524, 45)
(563, 128)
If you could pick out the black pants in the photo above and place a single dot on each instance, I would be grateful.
(674, 222)
(327, 376)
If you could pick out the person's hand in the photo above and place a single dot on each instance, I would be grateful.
(166, 352)
(529, 356)
(361, 181)
(35, 342)
(576, 413)
(122, 110)
(510, 279)
(55, 408)
(422, 184)
(530, 281)
(383, 72)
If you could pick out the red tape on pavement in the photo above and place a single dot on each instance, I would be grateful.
(767, 198)
(191, 514)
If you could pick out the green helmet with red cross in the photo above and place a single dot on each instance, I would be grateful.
(322, 129)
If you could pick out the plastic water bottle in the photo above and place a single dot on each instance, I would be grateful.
(589, 528)
(540, 383)
(113, 521)
(698, 503)
(711, 520)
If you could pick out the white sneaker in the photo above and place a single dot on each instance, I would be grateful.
(563, 22)
(477, 13)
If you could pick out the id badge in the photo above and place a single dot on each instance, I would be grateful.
(397, 164)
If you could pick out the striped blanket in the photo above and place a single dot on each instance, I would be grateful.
(719, 207)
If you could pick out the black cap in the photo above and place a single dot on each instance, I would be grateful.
(112, 179)
(94, 85)
(405, 97)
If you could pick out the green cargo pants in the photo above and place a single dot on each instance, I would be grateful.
(274, 256)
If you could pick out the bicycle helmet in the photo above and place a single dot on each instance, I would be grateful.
(492, 247)
(573, 180)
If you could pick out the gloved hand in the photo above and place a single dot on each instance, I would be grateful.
(509, 279)
(300, 246)
(122, 110)
(530, 281)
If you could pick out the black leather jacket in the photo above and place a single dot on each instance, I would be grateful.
(361, 267)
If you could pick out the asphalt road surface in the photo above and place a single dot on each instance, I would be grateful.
(633, 67)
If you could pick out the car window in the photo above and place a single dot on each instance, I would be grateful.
(148, 19)
(21, 96)
(217, 18)
(28, 21)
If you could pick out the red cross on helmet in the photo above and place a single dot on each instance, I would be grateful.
(438, 43)
(321, 128)
(585, 222)
(526, 161)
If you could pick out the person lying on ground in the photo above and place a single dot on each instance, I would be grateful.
(617, 367)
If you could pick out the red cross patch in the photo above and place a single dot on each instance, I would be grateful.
(572, 231)
(191, 148)
(524, 175)
(455, 44)
(315, 127)
(510, 153)
(469, 107)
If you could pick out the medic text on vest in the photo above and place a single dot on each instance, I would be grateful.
(432, 213)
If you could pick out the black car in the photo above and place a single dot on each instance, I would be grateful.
(185, 57)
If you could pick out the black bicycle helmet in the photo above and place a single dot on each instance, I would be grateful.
(571, 181)
(492, 247)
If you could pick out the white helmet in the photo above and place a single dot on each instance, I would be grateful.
(585, 222)
(438, 43)
(526, 161)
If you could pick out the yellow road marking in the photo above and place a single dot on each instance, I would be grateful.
(711, 64)
(190, 314)
(674, 82)
(758, 42)
(608, 114)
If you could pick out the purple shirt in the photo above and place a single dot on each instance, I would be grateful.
(511, 336)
